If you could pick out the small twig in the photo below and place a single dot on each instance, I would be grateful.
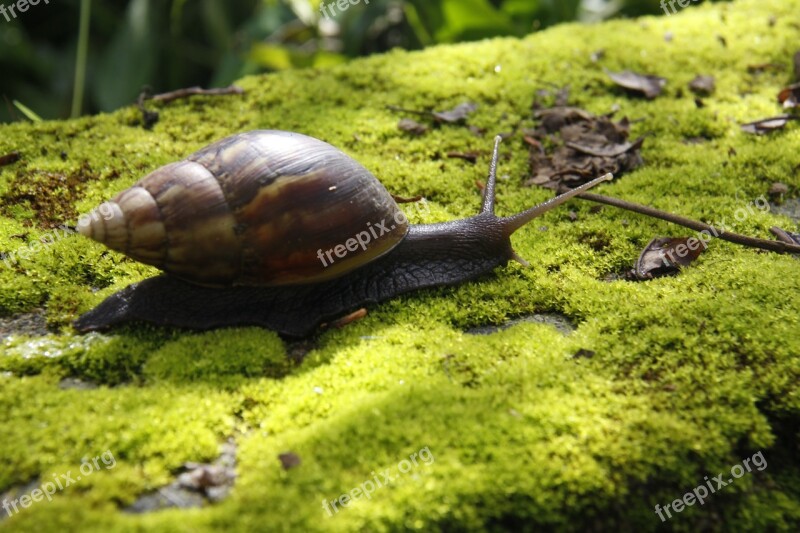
(404, 200)
(149, 118)
(753, 242)
(191, 91)
(471, 157)
(347, 319)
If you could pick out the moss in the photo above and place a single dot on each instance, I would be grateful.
(678, 378)
(189, 358)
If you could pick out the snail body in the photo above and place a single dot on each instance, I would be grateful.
(245, 229)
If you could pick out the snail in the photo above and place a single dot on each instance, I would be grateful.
(283, 231)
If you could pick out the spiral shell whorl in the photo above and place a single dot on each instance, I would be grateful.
(155, 223)
(251, 209)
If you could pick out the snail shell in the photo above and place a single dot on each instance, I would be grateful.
(251, 209)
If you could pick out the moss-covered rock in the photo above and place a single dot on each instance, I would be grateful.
(661, 386)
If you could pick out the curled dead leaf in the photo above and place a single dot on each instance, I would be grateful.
(646, 84)
(457, 114)
(289, 460)
(9, 158)
(785, 236)
(412, 126)
(585, 146)
(702, 85)
(790, 96)
(767, 125)
(667, 255)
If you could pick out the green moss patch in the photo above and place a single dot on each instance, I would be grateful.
(529, 428)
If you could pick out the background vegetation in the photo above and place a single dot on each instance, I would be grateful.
(162, 45)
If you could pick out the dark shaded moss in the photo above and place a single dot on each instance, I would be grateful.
(689, 375)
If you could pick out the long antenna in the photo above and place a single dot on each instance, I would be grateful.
(513, 223)
(489, 191)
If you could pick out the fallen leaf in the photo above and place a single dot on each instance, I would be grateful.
(412, 126)
(785, 236)
(289, 460)
(606, 150)
(790, 96)
(202, 476)
(584, 146)
(648, 85)
(9, 158)
(457, 114)
(777, 190)
(702, 85)
(766, 125)
(667, 255)
(554, 119)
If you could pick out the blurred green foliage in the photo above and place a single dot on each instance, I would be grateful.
(168, 45)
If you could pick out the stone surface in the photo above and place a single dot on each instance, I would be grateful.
(688, 376)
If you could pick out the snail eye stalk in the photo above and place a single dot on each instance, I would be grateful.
(514, 222)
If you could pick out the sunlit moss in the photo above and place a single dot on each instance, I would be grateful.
(660, 384)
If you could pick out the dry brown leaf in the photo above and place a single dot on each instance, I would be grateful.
(202, 476)
(785, 236)
(606, 150)
(667, 255)
(790, 96)
(457, 114)
(412, 126)
(648, 85)
(9, 158)
(767, 125)
(702, 85)
(289, 460)
(585, 146)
